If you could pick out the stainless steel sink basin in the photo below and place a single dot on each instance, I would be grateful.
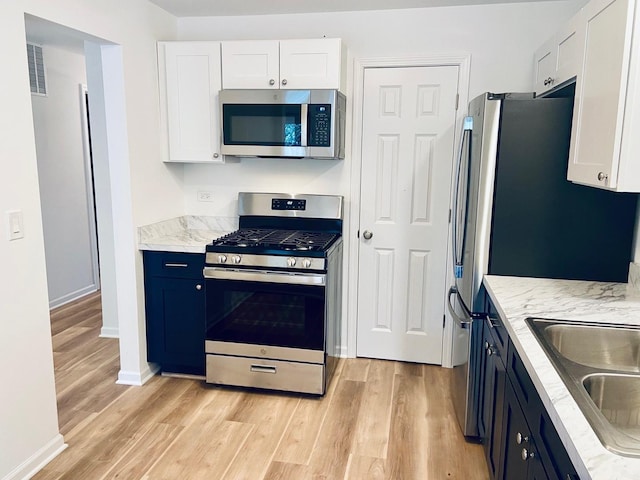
(611, 348)
(600, 364)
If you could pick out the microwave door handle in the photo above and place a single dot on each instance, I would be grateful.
(457, 229)
(304, 121)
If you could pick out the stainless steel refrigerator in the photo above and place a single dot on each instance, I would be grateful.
(514, 213)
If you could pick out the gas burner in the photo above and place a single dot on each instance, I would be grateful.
(277, 239)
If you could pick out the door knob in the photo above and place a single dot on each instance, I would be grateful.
(367, 234)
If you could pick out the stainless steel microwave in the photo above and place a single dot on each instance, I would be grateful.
(283, 123)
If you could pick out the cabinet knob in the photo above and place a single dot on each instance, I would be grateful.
(548, 81)
(521, 438)
(284, 81)
(491, 350)
(216, 155)
(526, 454)
(602, 176)
(198, 287)
(272, 82)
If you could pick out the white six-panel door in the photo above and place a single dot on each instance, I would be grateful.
(408, 127)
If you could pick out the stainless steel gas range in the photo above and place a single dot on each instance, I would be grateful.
(273, 294)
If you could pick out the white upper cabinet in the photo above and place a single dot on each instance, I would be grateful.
(287, 64)
(251, 64)
(605, 143)
(190, 81)
(560, 58)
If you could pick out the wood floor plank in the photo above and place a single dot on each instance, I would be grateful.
(287, 471)
(356, 369)
(372, 430)
(408, 435)
(411, 369)
(205, 451)
(144, 452)
(270, 414)
(369, 468)
(331, 454)
(444, 434)
(302, 433)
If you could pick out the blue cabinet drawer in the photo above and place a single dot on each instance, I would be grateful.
(173, 264)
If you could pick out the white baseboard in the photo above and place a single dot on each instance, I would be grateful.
(38, 460)
(137, 378)
(109, 332)
(70, 297)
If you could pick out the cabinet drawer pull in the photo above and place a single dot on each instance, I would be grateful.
(263, 368)
(176, 265)
(526, 454)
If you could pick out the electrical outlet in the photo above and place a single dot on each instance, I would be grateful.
(204, 196)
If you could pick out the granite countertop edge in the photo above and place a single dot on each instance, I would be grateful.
(519, 298)
(185, 234)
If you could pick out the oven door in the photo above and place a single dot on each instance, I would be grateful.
(265, 308)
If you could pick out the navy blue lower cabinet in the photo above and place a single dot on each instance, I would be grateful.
(519, 447)
(175, 311)
(520, 441)
(492, 399)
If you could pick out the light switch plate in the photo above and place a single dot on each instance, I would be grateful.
(15, 224)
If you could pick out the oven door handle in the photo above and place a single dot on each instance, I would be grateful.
(265, 276)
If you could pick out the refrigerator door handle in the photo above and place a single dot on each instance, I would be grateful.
(463, 322)
(457, 243)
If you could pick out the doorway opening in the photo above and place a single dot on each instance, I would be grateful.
(109, 177)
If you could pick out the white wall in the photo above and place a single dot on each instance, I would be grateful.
(28, 417)
(58, 127)
(500, 39)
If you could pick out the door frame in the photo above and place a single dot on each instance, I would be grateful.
(462, 61)
(89, 183)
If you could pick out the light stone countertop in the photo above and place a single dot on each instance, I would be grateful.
(519, 298)
(186, 234)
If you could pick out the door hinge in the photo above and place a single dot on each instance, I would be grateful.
(457, 100)
(449, 215)
(444, 320)
(358, 234)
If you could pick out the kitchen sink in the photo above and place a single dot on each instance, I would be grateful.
(597, 346)
(600, 365)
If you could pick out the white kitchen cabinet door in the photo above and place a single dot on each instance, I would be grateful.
(189, 85)
(545, 66)
(569, 49)
(251, 64)
(309, 64)
(560, 58)
(601, 143)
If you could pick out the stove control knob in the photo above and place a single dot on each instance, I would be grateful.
(291, 262)
(222, 258)
(236, 259)
(306, 263)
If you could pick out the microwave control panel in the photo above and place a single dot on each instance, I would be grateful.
(319, 125)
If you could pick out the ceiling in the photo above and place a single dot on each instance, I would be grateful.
(206, 8)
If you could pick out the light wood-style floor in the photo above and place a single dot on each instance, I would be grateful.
(379, 420)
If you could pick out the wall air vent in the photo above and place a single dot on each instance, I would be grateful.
(37, 77)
